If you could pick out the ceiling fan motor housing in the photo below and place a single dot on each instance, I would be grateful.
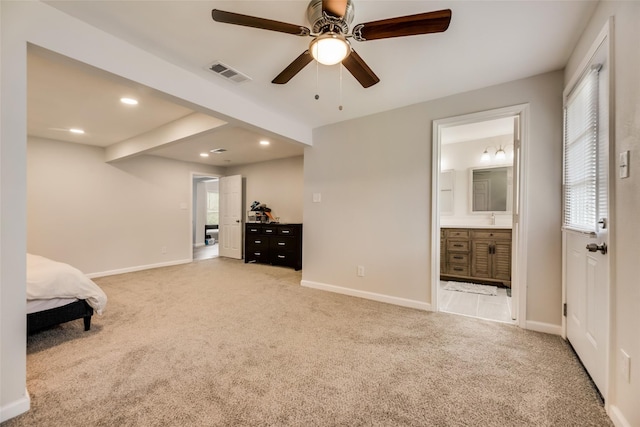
(323, 22)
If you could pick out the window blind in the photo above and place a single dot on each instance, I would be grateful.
(581, 155)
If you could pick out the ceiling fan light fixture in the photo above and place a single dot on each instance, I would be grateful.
(329, 48)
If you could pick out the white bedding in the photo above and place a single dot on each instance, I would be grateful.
(48, 279)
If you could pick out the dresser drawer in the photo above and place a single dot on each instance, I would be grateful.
(287, 258)
(270, 230)
(492, 234)
(459, 270)
(282, 243)
(257, 255)
(463, 234)
(458, 258)
(458, 245)
(256, 243)
(288, 230)
(254, 229)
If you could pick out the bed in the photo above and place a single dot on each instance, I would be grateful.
(59, 293)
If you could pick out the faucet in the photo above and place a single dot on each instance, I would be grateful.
(493, 218)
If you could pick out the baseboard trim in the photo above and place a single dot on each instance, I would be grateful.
(367, 295)
(15, 408)
(138, 268)
(547, 328)
(616, 416)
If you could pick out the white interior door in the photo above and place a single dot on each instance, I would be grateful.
(230, 233)
(585, 257)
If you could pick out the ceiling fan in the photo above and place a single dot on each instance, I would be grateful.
(330, 21)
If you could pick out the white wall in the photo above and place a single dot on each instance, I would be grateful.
(103, 217)
(625, 227)
(374, 176)
(277, 183)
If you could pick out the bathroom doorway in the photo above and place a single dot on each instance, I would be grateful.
(205, 217)
(476, 215)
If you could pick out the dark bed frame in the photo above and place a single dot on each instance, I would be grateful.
(54, 316)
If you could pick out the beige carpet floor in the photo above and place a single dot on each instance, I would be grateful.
(219, 342)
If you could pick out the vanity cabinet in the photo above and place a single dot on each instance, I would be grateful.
(277, 244)
(482, 255)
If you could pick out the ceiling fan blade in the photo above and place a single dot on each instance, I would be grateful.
(294, 68)
(337, 8)
(410, 25)
(264, 24)
(360, 70)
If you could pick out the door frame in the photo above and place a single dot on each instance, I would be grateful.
(604, 38)
(192, 176)
(519, 249)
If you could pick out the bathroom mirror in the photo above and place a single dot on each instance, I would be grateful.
(491, 189)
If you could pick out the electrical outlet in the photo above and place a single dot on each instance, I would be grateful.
(163, 249)
(625, 365)
(317, 197)
(360, 271)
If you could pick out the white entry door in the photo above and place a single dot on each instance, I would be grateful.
(230, 234)
(586, 211)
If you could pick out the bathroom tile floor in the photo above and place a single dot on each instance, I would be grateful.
(497, 308)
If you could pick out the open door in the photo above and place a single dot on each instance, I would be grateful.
(231, 216)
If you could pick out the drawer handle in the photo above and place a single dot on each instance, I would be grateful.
(281, 243)
(253, 230)
(285, 231)
(256, 253)
(457, 269)
(257, 241)
(457, 257)
(281, 256)
(457, 246)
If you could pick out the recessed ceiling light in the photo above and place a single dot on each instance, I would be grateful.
(78, 131)
(129, 101)
(264, 142)
(204, 154)
(218, 150)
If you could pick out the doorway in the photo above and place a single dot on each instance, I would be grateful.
(206, 217)
(476, 215)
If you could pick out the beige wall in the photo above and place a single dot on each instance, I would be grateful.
(104, 217)
(277, 183)
(625, 226)
(374, 176)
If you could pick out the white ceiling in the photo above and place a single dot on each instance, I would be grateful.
(487, 43)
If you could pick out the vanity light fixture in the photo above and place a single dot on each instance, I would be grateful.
(129, 101)
(76, 131)
(499, 155)
(204, 154)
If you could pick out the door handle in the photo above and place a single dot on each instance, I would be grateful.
(593, 247)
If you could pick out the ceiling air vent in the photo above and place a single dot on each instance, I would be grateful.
(228, 73)
(218, 150)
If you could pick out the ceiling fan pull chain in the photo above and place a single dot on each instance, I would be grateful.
(340, 106)
(317, 84)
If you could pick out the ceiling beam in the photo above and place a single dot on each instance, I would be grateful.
(185, 127)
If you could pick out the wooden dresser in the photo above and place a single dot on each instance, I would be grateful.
(476, 254)
(277, 244)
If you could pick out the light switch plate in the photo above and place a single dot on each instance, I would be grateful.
(623, 164)
(317, 197)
